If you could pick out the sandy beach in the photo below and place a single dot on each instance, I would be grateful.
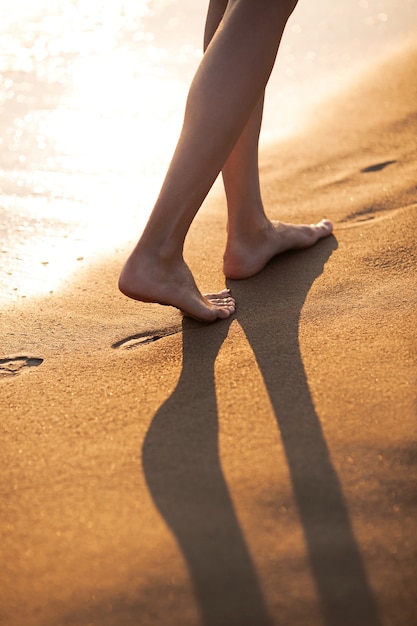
(258, 471)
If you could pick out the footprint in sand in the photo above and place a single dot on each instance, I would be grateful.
(141, 339)
(370, 213)
(364, 215)
(377, 167)
(13, 366)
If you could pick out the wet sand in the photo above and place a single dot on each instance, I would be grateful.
(257, 471)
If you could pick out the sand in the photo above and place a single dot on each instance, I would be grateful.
(253, 472)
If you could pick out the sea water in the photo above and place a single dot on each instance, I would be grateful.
(92, 94)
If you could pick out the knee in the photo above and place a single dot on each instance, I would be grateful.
(291, 5)
(286, 6)
(283, 7)
(271, 10)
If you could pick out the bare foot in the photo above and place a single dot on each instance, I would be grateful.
(149, 279)
(246, 256)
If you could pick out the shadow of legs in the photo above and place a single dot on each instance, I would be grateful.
(183, 472)
(269, 311)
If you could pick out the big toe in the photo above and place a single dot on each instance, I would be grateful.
(225, 311)
(324, 227)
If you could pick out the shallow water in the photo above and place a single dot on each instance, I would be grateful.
(92, 96)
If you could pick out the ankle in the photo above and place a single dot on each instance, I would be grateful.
(246, 230)
(161, 253)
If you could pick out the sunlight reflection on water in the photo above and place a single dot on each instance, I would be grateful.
(92, 96)
(92, 105)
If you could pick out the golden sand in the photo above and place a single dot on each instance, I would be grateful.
(257, 471)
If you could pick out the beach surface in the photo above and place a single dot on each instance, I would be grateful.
(257, 471)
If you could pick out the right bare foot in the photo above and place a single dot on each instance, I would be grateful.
(150, 279)
(247, 254)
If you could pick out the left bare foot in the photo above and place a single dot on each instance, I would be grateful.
(246, 256)
(148, 277)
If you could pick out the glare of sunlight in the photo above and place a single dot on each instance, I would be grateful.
(95, 113)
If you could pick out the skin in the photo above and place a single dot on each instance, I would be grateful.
(226, 100)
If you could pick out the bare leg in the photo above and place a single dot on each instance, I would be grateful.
(252, 238)
(226, 88)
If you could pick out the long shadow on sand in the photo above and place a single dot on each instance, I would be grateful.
(184, 475)
(182, 468)
(280, 292)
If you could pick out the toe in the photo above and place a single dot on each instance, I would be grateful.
(325, 225)
(225, 293)
(323, 228)
(224, 312)
(221, 301)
